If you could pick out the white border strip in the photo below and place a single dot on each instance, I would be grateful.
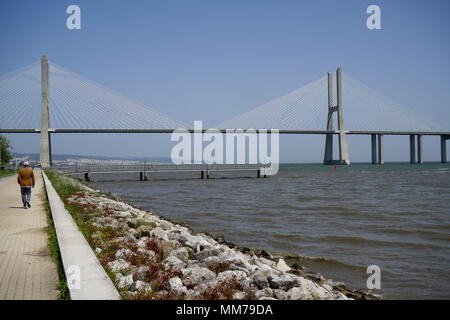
(89, 279)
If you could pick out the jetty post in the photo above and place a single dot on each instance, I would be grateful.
(143, 174)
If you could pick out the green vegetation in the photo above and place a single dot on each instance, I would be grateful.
(7, 173)
(83, 214)
(65, 186)
(5, 152)
(63, 290)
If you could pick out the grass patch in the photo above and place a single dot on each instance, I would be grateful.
(65, 186)
(83, 214)
(7, 173)
(63, 290)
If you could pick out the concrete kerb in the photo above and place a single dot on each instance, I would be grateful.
(83, 270)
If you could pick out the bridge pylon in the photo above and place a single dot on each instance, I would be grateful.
(343, 146)
(45, 157)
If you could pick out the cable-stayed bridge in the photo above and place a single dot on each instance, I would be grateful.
(46, 98)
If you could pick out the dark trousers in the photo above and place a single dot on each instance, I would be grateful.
(26, 195)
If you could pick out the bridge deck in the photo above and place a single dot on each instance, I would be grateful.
(87, 130)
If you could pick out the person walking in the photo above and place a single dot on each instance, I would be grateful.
(26, 180)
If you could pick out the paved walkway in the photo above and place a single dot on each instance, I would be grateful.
(26, 268)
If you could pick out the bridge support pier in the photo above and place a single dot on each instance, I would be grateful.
(444, 139)
(45, 157)
(380, 149)
(419, 148)
(328, 158)
(374, 148)
(343, 147)
(412, 149)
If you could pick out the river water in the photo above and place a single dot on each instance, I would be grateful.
(395, 216)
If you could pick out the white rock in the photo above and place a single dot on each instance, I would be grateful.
(206, 253)
(141, 286)
(212, 260)
(208, 239)
(118, 265)
(192, 240)
(164, 225)
(125, 214)
(180, 253)
(232, 274)
(282, 266)
(196, 275)
(149, 253)
(322, 293)
(253, 260)
(142, 242)
(260, 278)
(159, 234)
(173, 262)
(175, 284)
(327, 287)
(267, 298)
(239, 295)
(142, 273)
(125, 282)
(261, 265)
(341, 296)
(280, 294)
(123, 253)
(299, 293)
(238, 262)
(268, 262)
(283, 281)
(266, 292)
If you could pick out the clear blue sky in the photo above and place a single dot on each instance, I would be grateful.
(212, 60)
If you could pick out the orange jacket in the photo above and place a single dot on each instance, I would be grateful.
(26, 177)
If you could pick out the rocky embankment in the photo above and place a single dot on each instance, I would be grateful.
(151, 258)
